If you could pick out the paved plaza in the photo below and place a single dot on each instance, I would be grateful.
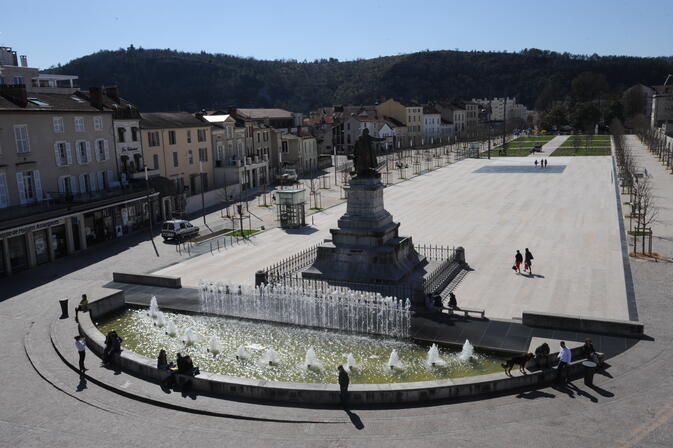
(566, 214)
(631, 406)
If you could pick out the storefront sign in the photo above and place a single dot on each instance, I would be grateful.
(30, 228)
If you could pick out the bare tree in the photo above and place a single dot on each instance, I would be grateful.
(647, 211)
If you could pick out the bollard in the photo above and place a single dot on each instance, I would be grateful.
(589, 370)
(64, 308)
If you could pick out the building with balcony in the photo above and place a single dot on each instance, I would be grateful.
(59, 191)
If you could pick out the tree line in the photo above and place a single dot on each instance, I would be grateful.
(169, 80)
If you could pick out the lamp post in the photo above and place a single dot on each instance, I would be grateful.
(149, 210)
(203, 199)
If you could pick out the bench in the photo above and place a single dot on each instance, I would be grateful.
(465, 311)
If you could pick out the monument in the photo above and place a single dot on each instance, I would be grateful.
(366, 247)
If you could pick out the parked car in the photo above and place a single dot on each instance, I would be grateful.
(287, 175)
(178, 229)
(537, 148)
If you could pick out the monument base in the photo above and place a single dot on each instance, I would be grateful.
(366, 248)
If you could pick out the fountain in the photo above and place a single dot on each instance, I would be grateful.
(350, 362)
(311, 360)
(347, 311)
(394, 362)
(154, 307)
(189, 338)
(270, 358)
(214, 346)
(160, 319)
(433, 359)
(467, 352)
(242, 353)
(171, 329)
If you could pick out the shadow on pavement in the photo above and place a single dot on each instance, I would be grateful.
(355, 419)
(32, 278)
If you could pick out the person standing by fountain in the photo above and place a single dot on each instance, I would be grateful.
(344, 381)
(564, 358)
(80, 345)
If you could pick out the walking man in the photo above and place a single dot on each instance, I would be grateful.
(545, 163)
(564, 358)
(528, 263)
(344, 380)
(535, 163)
(518, 259)
(80, 345)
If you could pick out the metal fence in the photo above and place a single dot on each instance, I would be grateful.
(288, 272)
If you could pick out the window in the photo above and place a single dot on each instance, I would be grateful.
(284, 147)
(201, 135)
(21, 137)
(203, 154)
(18, 80)
(134, 134)
(121, 135)
(98, 123)
(29, 187)
(4, 194)
(83, 152)
(171, 137)
(189, 135)
(58, 125)
(266, 136)
(219, 152)
(38, 102)
(175, 159)
(85, 185)
(258, 137)
(62, 153)
(190, 157)
(79, 124)
(155, 161)
(153, 138)
(66, 185)
(102, 150)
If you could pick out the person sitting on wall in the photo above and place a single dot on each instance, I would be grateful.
(83, 307)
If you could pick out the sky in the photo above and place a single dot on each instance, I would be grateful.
(55, 32)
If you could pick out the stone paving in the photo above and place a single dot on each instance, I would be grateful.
(632, 407)
(491, 208)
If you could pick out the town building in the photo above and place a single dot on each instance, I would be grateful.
(178, 147)
(299, 152)
(59, 191)
(410, 113)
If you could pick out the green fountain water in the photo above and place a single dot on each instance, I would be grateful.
(371, 354)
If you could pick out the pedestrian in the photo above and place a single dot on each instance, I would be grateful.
(83, 306)
(518, 259)
(453, 303)
(528, 264)
(564, 358)
(80, 345)
(536, 163)
(590, 352)
(545, 163)
(344, 380)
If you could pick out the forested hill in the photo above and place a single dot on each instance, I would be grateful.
(167, 80)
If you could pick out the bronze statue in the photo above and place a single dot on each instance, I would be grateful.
(364, 156)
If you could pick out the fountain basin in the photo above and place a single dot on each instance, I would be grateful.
(308, 393)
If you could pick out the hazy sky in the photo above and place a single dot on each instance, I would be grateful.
(50, 32)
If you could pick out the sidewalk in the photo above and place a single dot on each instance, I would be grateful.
(551, 146)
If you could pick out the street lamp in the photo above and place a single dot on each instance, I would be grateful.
(203, 199)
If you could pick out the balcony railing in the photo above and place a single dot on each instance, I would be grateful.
(56, 201)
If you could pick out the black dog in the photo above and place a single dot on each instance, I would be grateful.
(516, 361)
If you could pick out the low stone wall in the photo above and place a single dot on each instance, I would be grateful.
(108, 301)
(308, 393)
(583, 324)
(162, 281)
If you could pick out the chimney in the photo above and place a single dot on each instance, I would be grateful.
(16, 93)
(96, 97)
(113, 92)
(24, 60)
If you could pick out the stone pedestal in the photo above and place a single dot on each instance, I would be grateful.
(366, 248)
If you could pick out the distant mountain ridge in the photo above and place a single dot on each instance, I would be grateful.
(168, 80)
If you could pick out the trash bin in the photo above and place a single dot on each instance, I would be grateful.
(589, 370)
(64, 308)
(261, 278)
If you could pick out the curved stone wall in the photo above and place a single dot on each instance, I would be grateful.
(310, 393)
